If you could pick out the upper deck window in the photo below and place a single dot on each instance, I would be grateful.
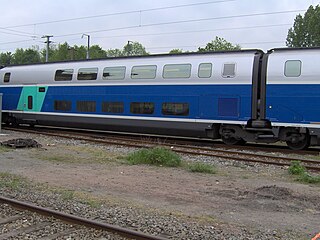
(205, 70)
(144, 72)
(292, 68)
(114, 73)
(229, 70)
(63, 75)
(87, 73)
(177, 71)
(6, 77)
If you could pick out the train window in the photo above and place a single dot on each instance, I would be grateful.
(87, 73)
(142, 107)
(6, 77)
(177, 71)
(143, 72)
(292, 68)
(60, 105)
(177, 109)
(114, 73)
(112, 107)
(63, 75)
(86, 106)
(30, 102)
(205, 70)
(229, 70)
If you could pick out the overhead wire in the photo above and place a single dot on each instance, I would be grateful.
(119, 13)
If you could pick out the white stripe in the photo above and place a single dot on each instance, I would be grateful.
(132, 117)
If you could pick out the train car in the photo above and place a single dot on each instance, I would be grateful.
(195, 94)
(293, 95)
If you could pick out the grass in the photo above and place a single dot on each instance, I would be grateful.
(157, 156)
(76, 154)
(11, 181)
(5, 149)
(302, 175)
(201, 168)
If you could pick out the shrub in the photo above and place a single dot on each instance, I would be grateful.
(202, 168)
(307, 178)
(156, 156)
(296, 168)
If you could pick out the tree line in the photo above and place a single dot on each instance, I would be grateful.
(65, 52)
(305, 32)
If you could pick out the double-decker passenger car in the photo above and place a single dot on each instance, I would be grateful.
(237, 96)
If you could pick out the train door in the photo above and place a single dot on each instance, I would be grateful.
(31, 98)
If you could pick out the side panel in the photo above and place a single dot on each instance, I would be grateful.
(293, 99)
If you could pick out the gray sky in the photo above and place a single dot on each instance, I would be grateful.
(158, 25)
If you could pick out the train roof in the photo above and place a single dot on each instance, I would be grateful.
(292, 49)
(142, 56)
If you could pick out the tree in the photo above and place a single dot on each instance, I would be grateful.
(5, 58)
(219, 44)
(22, 56)
(97, 52)
(176, 51)
(306, 29)
(134, 49)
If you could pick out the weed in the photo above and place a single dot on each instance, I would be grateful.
(201, 168)
(156, 156)
(307, 178)
(296, 168)
(303, 176)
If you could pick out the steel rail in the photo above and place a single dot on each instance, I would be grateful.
(225, 154)
(128, 233)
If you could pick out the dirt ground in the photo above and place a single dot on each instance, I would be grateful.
(257, 197)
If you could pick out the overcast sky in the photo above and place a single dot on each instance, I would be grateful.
(158, 25)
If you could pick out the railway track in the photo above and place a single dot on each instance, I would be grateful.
(229, 154)
(36, 222)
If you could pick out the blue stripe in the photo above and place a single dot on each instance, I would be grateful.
(203, 99)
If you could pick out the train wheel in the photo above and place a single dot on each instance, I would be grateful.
(302, 143)
(233, 141)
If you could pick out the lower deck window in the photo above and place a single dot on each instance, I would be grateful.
(177, 109)
(142, 107)
(60, 105)
(112, 107)
(86, 106)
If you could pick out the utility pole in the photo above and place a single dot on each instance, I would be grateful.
(47, 42)
(88, 47)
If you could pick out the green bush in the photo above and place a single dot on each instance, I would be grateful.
(303, 176)
(307, 178)
(156, 156)
(296, 168)
(201, 168)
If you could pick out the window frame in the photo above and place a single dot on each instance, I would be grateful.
(211, 65)
(142, 112)
(96, 71)
(132, 76)
(285, 68)
(229, 75)
(165, 113)
(66, 79)
(68, 104)
(115, 67)
(103, 108)
(78, 106)
(176, 64)
(6, 77)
